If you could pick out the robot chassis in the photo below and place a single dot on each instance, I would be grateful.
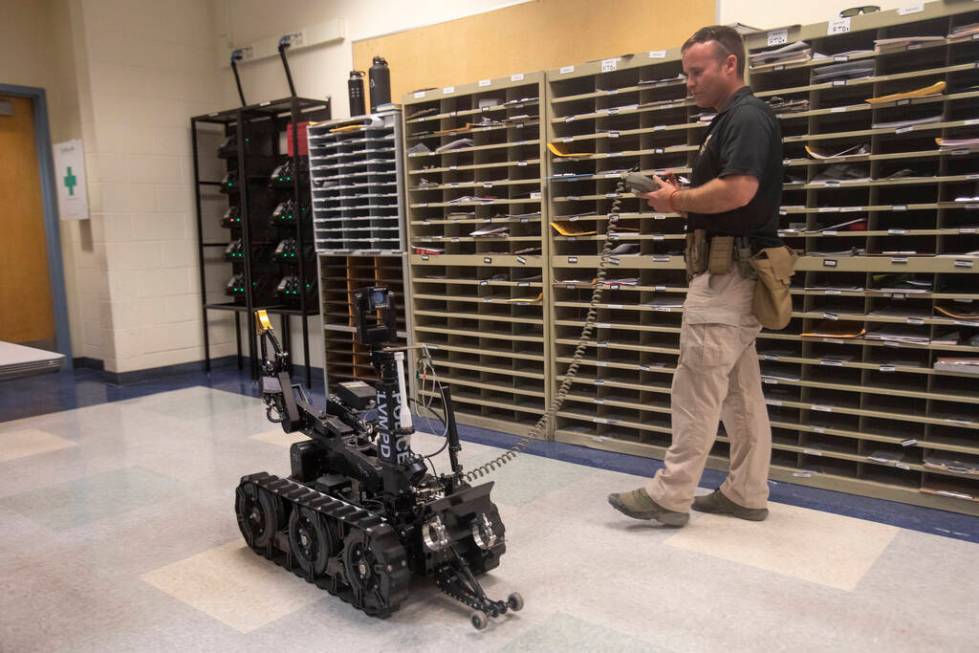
(360, 515)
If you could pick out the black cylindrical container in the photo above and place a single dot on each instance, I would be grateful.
(380, 81)
(355, 91)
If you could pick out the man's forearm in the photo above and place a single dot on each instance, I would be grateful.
(716, 196)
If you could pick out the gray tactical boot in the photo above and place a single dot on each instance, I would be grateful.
(639, 505)
(719, 504)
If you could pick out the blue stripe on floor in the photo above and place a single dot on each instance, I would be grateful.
(48, 393)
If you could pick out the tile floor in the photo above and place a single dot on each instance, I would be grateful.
(118, 534)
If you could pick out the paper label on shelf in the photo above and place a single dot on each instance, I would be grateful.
(822, 409)
(813, 452)
(487, 300)
(829, 263)
(487, 260)
(963, 263)
(535, 195)
(819, 429)
(599, 381)
(602, 363)
(911, 9)
(613, 260)
(915, 320)
(834, 362)
(904, 130)
(523, 284)
(774, 402)
(839, 82)
(841, 58)
(659, 237)
(603, 325)
(661, 259)
(778, 67)
(830, 232)
(886, 368)
(613, 134)
(778, 37)
(570, 118)
(901, 103)
(608, 65)
(567, 139)
(838, 26)
(968, 230)
(897, 232)
(572, 259)
(567, 69)
(831, 316)
(827, 209)
(516, 77)
(899, 260)
(483, 282)
(909, 443)
(658, 128)
(838, 110)
(484, 82)
(659, 288)
(521, 260)
(419, 94)
(657, 54)
(658, 150)
(448, 90)
(769, 380)
(521, 163)
(424, 257)
(613, 306)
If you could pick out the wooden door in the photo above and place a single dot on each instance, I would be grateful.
(25, 290)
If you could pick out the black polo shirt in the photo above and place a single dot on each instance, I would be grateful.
(743, 139)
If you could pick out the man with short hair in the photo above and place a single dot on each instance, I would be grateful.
(736, 190)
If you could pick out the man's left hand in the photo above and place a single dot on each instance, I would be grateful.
(659, 199)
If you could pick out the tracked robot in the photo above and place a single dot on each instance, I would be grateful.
(361, 515)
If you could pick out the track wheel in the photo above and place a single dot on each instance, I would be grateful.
(479, 620)
(369, 573)
(515, 602)
(312, 541)
(258, 515)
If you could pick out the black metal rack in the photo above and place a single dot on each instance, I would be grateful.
(270, 240)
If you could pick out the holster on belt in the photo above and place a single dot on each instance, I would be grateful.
(695, 255)
(772, 301)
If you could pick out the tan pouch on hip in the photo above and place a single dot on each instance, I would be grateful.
(772, 301)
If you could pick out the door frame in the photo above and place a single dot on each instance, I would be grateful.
(49, 199)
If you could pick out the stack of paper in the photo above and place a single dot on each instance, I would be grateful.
(461, 215)
(959, 314)
(798, 52)
(823, 153)
(960, 365)
(898, 124)
(849, 70)
(428, 250)
(898, 333)
(882, 45)
(781, 105)
(860, 224)
(455, 145)
(957, 143)
(925, 91)
(566, 230)
(963, 32)
(490, 231)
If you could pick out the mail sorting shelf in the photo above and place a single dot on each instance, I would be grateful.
(358, 215)
(357, 185)
(475, 220)
(861, 408)
(340, 278)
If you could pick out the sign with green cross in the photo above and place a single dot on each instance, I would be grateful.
(69, 170)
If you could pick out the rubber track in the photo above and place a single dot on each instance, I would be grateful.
(382, 535)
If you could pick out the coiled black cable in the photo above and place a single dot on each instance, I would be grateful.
(579, 352)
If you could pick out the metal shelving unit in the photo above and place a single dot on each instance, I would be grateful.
(856, 401)
(357, 186)
(263, 231)
(478, 252)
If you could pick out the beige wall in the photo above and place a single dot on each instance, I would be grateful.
(765, 15)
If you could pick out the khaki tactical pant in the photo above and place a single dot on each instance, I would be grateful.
(717, 379)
